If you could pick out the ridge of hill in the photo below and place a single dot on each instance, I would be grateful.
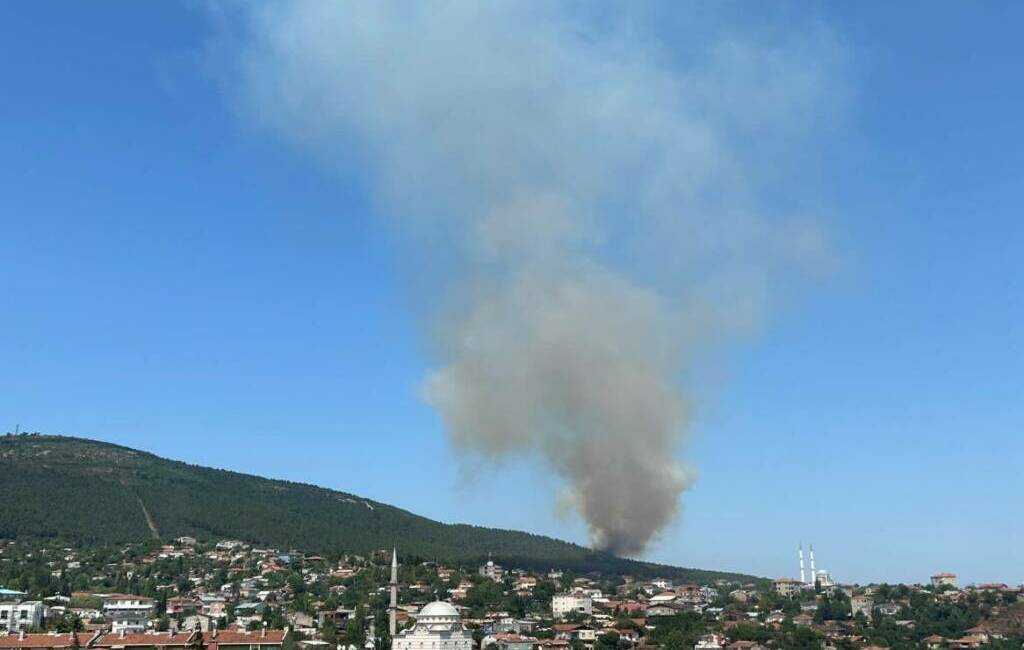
(94, 492)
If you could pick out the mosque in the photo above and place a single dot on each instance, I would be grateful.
(438, 625)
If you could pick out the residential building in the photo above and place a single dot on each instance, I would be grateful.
(508, 641)
(339, 616)
(583, 633)
(984, 632)
(741, 595)
(661, 610)
(888, 609)
(967, 642)
(147, 641)
(235, 640)
(204, 623)
(127, 613)
(629, 634)
(861, 605)
(19, 617)
(944, 580)
(575, 601)
(710, 642)
(45, 641)
(229, 545)
(492, 571)
(787, 586)
(510, 624)
(663, 598)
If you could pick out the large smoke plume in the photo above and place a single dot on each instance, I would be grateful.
(609, 193)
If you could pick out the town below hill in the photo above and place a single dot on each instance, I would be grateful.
(190, 594)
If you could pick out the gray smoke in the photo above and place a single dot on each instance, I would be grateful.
(610, 194)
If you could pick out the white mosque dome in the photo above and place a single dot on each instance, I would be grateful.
(437, 610)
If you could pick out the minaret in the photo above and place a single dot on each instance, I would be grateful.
(393, 609)
(803, 579)
(814, 573)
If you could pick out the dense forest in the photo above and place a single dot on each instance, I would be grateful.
(90, 492)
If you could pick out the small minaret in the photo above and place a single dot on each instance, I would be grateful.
(393, 609)
(803, 578)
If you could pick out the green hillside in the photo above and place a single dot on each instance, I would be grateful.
(94, 492)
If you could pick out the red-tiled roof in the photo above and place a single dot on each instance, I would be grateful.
(43, 640)
(231, 637)
(117, 640)
(513, 638)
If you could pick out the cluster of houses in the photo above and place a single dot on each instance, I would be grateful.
(228, 591)
(194, 640)
(123, 612)
(192, 606)
(647, 600)
(866, 603)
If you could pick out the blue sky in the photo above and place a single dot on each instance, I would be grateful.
(181, 280)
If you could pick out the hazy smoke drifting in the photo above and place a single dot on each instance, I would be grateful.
(612, 192)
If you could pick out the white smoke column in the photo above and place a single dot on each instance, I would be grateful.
(597, 194)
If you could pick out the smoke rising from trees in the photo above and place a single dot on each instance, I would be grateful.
(613, 192)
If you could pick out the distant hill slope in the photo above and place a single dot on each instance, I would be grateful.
(96, 492)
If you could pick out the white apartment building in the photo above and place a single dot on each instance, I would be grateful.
(576, 601)
(16, 617)
(711, 642)
(492, 571)
(127, 613)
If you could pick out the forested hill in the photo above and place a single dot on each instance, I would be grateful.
(94, 492)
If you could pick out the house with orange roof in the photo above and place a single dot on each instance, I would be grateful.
(984, 632)
(45, 641)
(147, 640)
(238, 640)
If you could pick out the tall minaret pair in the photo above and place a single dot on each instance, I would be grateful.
(393, 609)
(814, 573)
